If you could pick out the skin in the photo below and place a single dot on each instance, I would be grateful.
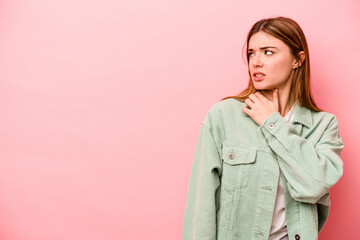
(278, 64)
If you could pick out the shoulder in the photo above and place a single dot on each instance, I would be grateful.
(223, 110)
(225, 105)
(327, 126)
(323, 117)
(323, 121)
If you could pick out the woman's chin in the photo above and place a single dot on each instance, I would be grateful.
(262, 87)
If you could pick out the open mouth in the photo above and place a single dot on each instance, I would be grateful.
(258, 76)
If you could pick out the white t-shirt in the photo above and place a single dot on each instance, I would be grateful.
(278, 229)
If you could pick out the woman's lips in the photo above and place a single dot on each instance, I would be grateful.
(258, 76)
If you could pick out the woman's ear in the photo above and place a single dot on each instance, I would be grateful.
(302, 58)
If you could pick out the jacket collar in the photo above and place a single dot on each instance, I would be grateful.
(302, 115)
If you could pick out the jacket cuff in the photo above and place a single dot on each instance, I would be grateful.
(272, 125)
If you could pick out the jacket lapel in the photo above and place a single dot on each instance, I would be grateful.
(302, 117)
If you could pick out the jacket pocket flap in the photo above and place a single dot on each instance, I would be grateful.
(238, 154)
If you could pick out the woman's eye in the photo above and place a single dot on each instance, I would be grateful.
(250, 54)
(268, 51)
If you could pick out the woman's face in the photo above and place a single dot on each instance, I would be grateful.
(270, 62)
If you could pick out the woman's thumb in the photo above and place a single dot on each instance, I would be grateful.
(276, 95)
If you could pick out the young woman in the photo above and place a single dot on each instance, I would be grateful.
(266, 158)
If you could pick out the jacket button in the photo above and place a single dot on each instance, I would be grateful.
(297, 237)
(232, 156)
(271, 125)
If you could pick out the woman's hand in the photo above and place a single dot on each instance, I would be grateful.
(261, 107)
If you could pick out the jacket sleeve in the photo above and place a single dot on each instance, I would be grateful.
(323, 208)
(202, 204)
(310, 170)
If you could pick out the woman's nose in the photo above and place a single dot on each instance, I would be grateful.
(256, 61)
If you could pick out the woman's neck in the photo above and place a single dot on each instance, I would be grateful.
(286, 101)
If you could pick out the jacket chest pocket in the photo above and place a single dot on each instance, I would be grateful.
(237, 163)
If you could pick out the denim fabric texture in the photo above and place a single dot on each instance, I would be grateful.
(234, 176)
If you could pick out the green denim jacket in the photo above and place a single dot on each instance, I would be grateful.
(234, 177)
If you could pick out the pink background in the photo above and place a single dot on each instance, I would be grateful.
(101, 104)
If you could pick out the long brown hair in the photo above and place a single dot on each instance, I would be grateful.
(288, 31)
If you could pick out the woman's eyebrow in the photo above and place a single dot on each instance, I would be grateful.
(250, 49)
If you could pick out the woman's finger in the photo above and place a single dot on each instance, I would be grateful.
(246, 110)
(249, 103)
(276, 96)
(261, 96)
(254, 98)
